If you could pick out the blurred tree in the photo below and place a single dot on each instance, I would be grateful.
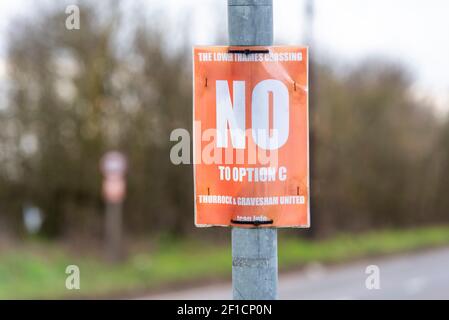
(373, 141)
(73, 97)
(379, 153)
(438, 171)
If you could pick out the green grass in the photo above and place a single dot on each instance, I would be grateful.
(38, 271)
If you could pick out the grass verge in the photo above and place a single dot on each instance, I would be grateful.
(38, 271)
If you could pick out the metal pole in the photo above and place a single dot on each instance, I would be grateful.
(309, 40)
(254, 251)
(114, 230)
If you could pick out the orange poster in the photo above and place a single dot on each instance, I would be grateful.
(251, 150)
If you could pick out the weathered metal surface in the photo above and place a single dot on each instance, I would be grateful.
(254, 251)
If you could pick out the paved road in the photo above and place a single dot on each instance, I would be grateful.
(414, 276)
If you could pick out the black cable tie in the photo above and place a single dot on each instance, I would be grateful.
(249, 51)
(254, 223)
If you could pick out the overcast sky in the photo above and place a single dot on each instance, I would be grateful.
(415, 32)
